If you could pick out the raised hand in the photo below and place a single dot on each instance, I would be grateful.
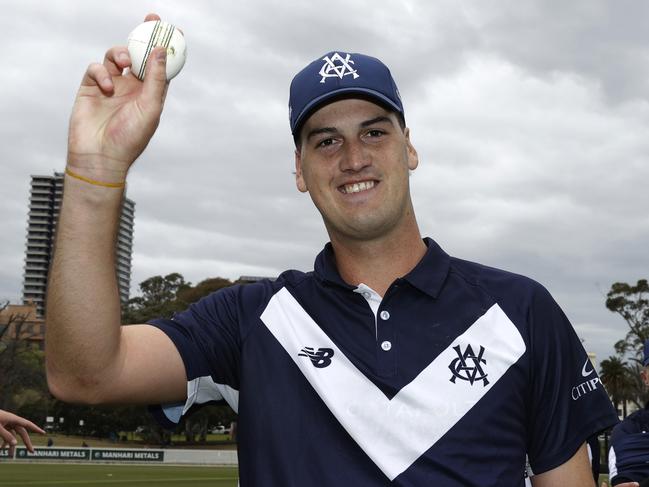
(115, 116)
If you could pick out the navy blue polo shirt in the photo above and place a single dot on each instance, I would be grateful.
(628, 455)
(449, 379)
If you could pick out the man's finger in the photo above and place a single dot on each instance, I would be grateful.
(98, 75)
(116, 59)
(151, 16)
(27, 424)
(155, 79)
(7, 436)
(25, 436)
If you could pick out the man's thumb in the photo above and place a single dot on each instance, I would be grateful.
(155, 78)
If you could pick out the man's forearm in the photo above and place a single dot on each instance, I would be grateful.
(83, 307)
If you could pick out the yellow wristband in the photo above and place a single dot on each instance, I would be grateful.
(92, 181)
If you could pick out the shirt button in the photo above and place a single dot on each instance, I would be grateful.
(385, 315)
(386, 346)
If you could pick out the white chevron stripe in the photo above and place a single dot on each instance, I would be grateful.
(395, 433)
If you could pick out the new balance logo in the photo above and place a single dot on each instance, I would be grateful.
(320, 358)
(467, 366)
(337, 67)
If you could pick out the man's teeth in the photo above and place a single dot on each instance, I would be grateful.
(358, 187)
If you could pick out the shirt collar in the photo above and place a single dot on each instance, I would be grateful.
(325, 267)
(428, 275)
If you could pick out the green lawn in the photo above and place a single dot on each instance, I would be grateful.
(33, 474)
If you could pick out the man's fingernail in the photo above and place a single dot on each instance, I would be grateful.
(122, 56)
(161, 55)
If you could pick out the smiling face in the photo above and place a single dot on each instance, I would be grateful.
(354, 160)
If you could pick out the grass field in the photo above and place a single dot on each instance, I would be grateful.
(43, 475)
(32, 474)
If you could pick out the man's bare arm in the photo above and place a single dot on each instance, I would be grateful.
(90, 357)
(576, 472)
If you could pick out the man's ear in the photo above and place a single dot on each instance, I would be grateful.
(413, 157)
(299, 177)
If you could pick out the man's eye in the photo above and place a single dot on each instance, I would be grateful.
(375, 133)
(325, 142)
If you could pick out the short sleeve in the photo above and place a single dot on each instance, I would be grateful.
(208, 339)
(567, 400)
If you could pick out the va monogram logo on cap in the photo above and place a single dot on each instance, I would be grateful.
(461, 368)
(337, 67)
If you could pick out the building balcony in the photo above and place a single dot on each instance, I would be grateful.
(35, 215)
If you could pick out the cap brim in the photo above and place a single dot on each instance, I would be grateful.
(329, 96)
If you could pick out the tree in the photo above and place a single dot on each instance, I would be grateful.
(158, 299)
(191, 294)
(618, 380)
(161, 297)
(632, 304)
(21, 364)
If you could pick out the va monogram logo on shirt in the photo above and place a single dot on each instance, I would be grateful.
(332, 70)
(320, 359)
(467, 365)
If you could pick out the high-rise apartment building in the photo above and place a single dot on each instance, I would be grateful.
(44, 206)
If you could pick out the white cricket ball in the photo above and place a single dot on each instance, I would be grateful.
(152, 34)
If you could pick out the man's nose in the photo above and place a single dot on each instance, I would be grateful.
(355, 157)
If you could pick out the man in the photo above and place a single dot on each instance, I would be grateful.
(390, 364)
(628, 455)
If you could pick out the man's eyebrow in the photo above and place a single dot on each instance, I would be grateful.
(376, 120)
(334, 130)
(321, 130)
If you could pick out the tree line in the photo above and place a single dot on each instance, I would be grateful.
(23, 387)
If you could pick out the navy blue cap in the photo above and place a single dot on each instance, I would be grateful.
(339, 73)
(645, 362)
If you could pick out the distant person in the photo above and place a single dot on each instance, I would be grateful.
(11, 426)
(628, 455)
(50, 442)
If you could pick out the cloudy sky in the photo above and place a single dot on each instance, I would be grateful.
(531, 119)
